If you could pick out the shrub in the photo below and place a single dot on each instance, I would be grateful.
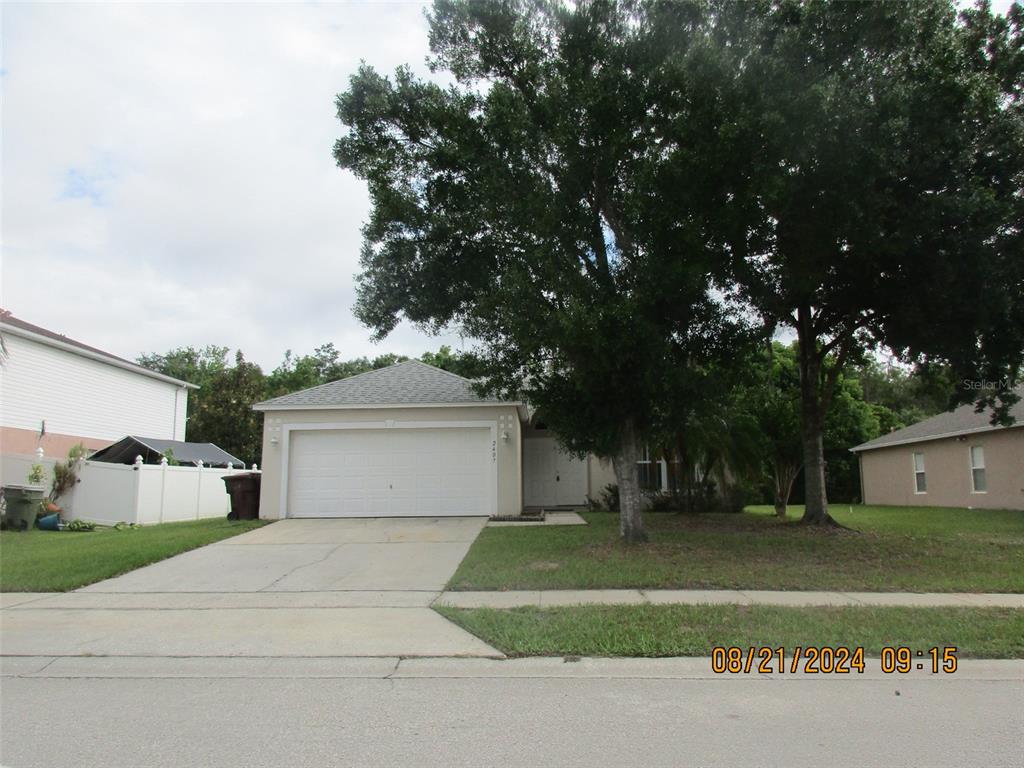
(610, 497)
(663, 501)
(738, 495)
(700, 497)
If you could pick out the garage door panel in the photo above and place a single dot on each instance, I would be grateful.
(397, 472)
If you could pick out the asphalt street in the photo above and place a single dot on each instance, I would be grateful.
(478, 712)
(312, 643)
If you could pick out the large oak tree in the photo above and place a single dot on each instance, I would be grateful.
(883, 208)
(557, 203)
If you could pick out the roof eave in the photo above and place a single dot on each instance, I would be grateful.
(927, 438)
(75, 350)
(269, 405)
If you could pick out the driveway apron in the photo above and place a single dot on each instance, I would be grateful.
(334, 587)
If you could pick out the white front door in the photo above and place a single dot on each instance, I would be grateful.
(430, 472)
(551, 477)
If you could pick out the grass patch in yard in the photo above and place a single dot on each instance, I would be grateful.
(56, 561)
(693, 630)
(894, 549)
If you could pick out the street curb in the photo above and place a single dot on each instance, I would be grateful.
(797, 599)
(395, 668)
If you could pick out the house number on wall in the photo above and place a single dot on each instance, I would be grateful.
(494, 450)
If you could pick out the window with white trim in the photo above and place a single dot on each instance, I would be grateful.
(979, 483)
(649, 471)
(920, 481)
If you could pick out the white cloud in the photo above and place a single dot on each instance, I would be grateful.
(168, 179)
(167, 175)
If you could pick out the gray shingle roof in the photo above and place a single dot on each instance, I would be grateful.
(408, 383)
(961, 421)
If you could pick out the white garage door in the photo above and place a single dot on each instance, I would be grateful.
(390, 472)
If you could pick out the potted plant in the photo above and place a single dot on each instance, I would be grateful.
(23, 501)
(65, 476)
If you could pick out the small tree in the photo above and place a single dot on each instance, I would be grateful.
(226, 413)
(773, 399)
(707, 429)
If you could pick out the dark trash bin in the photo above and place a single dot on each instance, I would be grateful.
(244, 490)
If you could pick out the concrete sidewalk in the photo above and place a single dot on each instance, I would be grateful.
(568, 597)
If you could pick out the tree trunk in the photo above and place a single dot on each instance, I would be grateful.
(631, 521)
(812, 425)
(815, 499)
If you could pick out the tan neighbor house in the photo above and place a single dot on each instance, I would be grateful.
(412, 440)
(955, 459)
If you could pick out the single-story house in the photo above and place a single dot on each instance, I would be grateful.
(153, 450)
(58, 392)
(955, 459)
(413, 440)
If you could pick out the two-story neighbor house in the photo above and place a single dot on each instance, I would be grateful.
(56, 392)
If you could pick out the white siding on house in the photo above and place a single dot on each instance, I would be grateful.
(79, 396)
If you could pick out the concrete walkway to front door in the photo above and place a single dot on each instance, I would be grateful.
(339, 587)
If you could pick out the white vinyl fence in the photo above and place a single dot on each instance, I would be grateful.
(143, 493)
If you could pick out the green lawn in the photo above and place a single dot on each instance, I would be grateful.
(52, 561)
(693, 630)
(890, 549)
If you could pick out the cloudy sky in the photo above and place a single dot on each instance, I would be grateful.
(167, 175)
(167, 172)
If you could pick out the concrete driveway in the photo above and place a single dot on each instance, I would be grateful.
(355, 587)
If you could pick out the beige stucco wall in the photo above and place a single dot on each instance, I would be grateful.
(506, 417)
(55, 445)
(888, 473)
(600, 473)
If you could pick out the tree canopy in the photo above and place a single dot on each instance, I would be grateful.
(606, 186)
(883, 208)
(325, 364)
(557, 203)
